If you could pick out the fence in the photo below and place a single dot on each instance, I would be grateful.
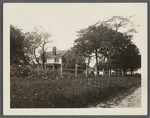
(85, 72)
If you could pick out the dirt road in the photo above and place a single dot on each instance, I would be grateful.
(125, 99)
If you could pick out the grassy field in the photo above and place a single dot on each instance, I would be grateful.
(65, 92)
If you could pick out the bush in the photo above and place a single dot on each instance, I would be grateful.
(14, 71)
(38, 71)
(30, 72)
(50, 73)
(19, 71)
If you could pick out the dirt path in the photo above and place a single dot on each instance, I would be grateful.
(125, 99)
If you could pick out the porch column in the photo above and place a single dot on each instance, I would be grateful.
(53, 67)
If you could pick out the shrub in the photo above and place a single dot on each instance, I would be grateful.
(19, 71)
(38, 71)
(50, 73)
(14, 70)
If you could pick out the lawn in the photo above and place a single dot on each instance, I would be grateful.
(65, 92)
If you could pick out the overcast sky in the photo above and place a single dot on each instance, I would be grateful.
(62, 20)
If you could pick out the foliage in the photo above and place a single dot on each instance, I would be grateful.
(36, 45)
(104, 41)
(75, 58)
(51, 74)
(16, 46)
(19, 71)
(94, 40)
(127, 58)
(26, 48)
(120, 23)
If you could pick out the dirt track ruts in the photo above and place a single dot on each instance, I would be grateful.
(130, 98)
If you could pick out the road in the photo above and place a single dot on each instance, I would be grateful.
(125, 99)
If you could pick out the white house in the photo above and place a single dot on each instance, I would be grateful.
(55, 59)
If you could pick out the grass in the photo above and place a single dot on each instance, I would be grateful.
(65, 92)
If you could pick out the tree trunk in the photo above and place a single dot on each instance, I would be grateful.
(43, 60)
(96, 61)
(36, 58)
(89, 60)
(88, 63)
(26, 62)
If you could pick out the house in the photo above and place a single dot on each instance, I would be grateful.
(57, 58)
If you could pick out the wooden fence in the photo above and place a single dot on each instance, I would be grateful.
(85, 72)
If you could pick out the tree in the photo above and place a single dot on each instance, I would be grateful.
(16, 45)
(95, 40)
(126, 54)
(120, 23)
(37, 43)
(108, 45)
(76, 58)
(134, 58)
(103, 39)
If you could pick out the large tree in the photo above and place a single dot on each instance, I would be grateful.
(37, 43)
(28, 48)
(17, 47)
(103, 40)
(126, 56)
(95, 41)
(76, 58)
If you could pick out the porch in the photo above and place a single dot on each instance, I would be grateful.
(55, 66)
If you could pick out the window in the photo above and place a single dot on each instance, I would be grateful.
(56, 59)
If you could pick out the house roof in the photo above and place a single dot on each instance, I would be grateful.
(59, 53)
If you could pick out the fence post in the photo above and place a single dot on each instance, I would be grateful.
(103, 72)
(95, 71)
(109, 72)
(122, 73)
(61, 70)
(76, 71)
(86, 71)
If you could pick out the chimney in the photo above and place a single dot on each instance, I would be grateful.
(54, 50)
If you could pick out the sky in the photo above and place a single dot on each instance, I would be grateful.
(63, 20)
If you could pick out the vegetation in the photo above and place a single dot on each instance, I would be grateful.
(26, 48)
(16, 46)
(108, 46)
(34, 87)
(66, 91)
